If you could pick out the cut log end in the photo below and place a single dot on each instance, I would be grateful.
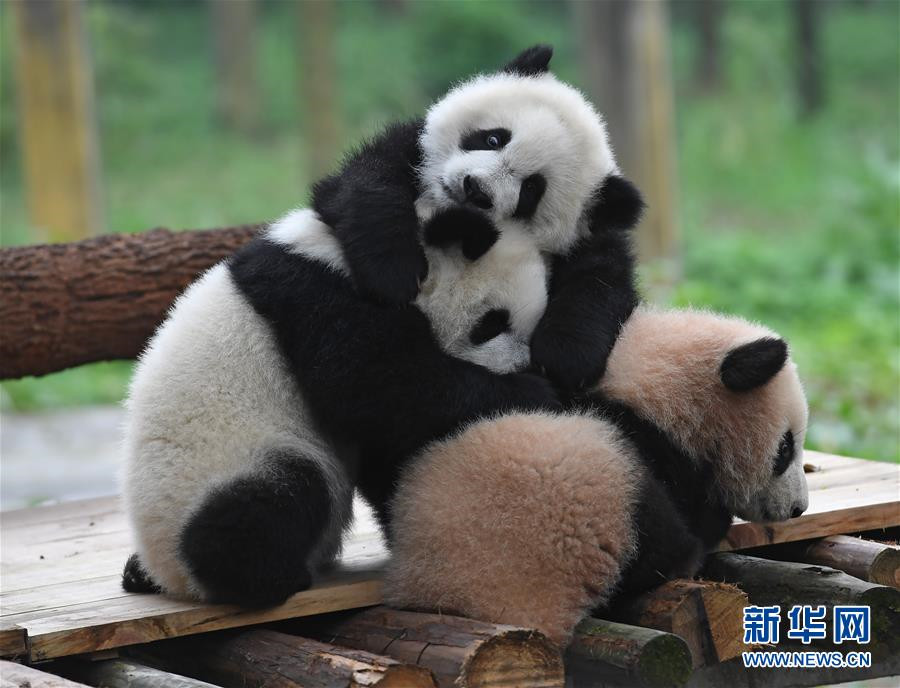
(513, 658)
(885, 568)
(627, 655)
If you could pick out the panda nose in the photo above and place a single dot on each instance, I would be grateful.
(796, 511)
(475, 194)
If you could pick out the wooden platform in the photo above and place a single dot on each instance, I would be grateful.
(60, 588)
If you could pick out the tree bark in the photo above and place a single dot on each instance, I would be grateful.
(707, 616)
(787, 583)
(609, 652)
(98, 299)
(265, 658)
(461, 652)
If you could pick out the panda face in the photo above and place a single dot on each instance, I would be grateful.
(485, 310)
(784, 494)
(528, 151)
(727, 394)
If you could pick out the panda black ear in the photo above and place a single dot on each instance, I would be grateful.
(752, 365)
(619, 206)
(531, 62)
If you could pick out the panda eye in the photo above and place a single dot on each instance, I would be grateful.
(785, 453)
(485, 139)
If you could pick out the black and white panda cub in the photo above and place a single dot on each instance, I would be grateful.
(273, 388)
(517, 148)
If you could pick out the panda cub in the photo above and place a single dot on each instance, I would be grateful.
(538, 519)
(524, 151)
(273, 389)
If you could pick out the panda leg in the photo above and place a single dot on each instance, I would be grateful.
(666, 547)
(252, 539)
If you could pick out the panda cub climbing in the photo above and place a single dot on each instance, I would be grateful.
(273, 389)
(531, 155)
(538, 519)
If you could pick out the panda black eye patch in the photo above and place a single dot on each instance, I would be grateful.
(785, 453)
(493, 323)
(530, 194)
(485, 139)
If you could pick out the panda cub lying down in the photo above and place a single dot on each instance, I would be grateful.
(275, 387)
(538, 519)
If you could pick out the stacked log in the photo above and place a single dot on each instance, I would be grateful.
(461, 652)
(257, 658)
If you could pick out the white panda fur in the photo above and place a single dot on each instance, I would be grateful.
(506, 520)
(212, 391)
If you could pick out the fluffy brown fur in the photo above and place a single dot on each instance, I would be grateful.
(665, 366)
(505, 522)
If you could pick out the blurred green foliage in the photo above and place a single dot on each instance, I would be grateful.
(791, 222)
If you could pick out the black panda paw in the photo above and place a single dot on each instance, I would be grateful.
(391, 275)
(531, 392)
(472, 230)
(572, 365)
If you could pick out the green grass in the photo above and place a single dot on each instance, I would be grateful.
(791, 222)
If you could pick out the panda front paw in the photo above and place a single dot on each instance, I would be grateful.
(571, 364)
(472, 230)
(391, 275)
(533, 393)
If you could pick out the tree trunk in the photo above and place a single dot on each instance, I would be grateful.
(99, 299)
(609, 652)
(319, 75)
(234, 40)
(807, 16)
(57, 123)
(708, 68)
(625, 61)
(268, 659)
(707, 616)
(461, 652)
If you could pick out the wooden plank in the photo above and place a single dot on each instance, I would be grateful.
(70, 601)
(14, 675)
(13, 641)
(145, 618)
(57, 121)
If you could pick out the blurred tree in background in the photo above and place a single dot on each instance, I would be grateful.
(785, 148)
